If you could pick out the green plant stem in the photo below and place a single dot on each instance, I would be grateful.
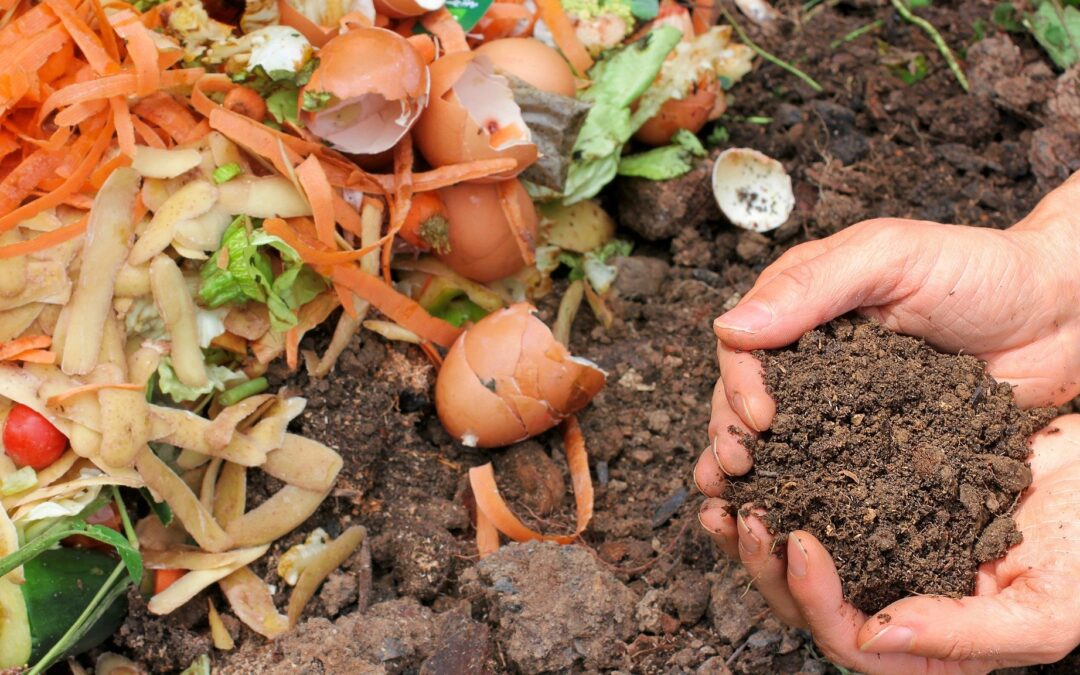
(241, 391)
(102, 600)
(857, 33)
(125, 519)
(934, 35)
(775, 60)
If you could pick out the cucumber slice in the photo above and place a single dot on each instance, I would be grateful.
(14, 626)
(60, 583)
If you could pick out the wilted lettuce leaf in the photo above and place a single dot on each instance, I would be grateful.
(248, 275)
(617, 82)
(670, 161)
(217, 379)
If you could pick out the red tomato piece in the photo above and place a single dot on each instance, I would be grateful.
(31, 440)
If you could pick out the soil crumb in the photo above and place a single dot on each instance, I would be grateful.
(903, 461)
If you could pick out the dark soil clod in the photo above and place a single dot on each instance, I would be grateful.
(903, 461)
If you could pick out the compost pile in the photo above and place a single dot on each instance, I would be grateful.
(905, 462)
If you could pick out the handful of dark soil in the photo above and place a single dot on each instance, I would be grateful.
(906, 463)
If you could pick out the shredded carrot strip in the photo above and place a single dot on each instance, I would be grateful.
(19, 69)
(166, 113)
(209, 84)
(511, 208)
(31, 23)
(562, 31)
(433, 354)
(436, 179)
(257, 138)
(487, 535)
(121, 84)
(71, 185)
(35, 356)
(60, 63)
(58, 399)
(196, 132)
(320, 195)
(18, 184)
(502, 11)
(401, 309)
(87, 40)
(402, 201)
(444, 26)
(97, 179)
(24, 344)
(141, 50)
(312, 255)
(147, 133)
(44, 241)
(494, 508)
(424, 46)
(80, 112)
(108, 36)
(125, 130)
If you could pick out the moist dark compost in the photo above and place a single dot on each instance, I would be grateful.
(906, 463)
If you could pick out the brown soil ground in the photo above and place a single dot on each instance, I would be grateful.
(644, 592)
(904, 462)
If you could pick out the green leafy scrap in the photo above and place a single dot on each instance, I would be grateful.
(280, 88)
(1057, 30)
(316, 100)
(247, 274)
(645, 10)
(1004, 16)
(667, 162)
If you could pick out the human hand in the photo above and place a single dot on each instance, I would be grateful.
(1026, 607)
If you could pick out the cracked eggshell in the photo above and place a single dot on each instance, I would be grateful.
(752, 189)
(472, 116)
(379, 87)
(404, 9)
(482, 245)
(506, 379)
(532, 61)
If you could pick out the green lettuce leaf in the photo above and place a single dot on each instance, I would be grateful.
(217, 379)
(670, 161)
(248, 275)
(618, 81)
(1058, 34)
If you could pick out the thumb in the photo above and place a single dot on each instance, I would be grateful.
(783, 306)
(1011, 626)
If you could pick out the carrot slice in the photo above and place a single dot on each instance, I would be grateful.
(525, 240)
(166, 113)
(487, 535)
(562, 31)
(444, 26)
(125, 130)
(91, 46)
(57, 399)
(425, 206)
(401, 309)
(165, 578)
(44, 241)
(35, 356)
(24, 344)
(494, 508)
(320, 195)
(71, 185)
(141, 49)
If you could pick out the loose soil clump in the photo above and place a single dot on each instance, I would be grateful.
(906, 463)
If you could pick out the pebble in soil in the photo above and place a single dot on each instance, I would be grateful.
(906, 463)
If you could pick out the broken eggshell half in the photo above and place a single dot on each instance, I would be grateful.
(506, 379)
(472, 116)
(404, 9)
(378, 86)
(752, 189)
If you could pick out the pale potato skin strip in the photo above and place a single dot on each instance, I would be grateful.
(178, 310)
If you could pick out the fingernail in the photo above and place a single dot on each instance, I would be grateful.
(740, 404)
(797, 563)
(707, 505)
(747, 539)
(891, 640)
(696, 483)
(749, 317)
(716, 455)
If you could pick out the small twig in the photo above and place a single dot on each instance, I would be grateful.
(935, 36)
(775, 60)
(857, 33)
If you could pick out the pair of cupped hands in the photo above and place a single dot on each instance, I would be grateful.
(1011, 298)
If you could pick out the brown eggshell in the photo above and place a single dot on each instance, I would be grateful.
(689, 113)
(482, 246)
(447, 134)
(470, 407)
(507, 379)
(393, 79)
(403, 9)
(532, 61)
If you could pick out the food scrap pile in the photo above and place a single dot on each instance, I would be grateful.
(187, 188)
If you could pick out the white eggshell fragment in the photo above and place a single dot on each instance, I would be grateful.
(753, 190)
